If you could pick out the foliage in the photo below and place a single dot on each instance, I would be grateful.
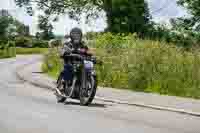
(125, 16)
(11, 27)
(122, 15)
(55, 43)
(8, 50)
(23, 41)
(3, 43)
(182, 24)
(109, 41)
(46, 28)
(184, 38)
(191, 22)
(21, 29)
(158, 32)
(143, 65)
(91, 35)
(28, 42)
(191, 5)
(4, 24)
(39, 44)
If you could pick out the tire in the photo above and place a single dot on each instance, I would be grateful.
(60, 99)
(86, 101)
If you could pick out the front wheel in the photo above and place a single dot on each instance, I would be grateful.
(87, 95)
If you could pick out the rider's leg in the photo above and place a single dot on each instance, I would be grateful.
(68, 72)
(65, 76)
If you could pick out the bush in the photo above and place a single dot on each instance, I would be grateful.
(23, 42)
(8, 50)
(185, 38)
(109, 41)
(39, 44)
(91, 35)
(3, 44)
(27, 42)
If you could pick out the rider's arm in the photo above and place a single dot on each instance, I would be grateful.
(67, 49)
(88, 50)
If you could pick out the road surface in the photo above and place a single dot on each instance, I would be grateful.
(28, 109)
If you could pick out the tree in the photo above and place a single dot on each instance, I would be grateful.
(11, 26)
(37, 35)
(192, 22)
(46, 28)
(122, 15)
(128, 16)
(181, 24)
(5, 21)
(22, 29)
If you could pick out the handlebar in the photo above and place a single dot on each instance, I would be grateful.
(74, 55)
(84, 57)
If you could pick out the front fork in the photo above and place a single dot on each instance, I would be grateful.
(85, 73)
(84, 78)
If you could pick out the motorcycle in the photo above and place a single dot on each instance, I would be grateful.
(83, 85)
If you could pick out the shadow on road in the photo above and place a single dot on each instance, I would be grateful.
(38, 72)
(96, 105)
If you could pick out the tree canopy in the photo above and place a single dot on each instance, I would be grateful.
(46, 28)
(128, 16)
(122, 15)
(4, 24)
(10, 26)
(192, 22)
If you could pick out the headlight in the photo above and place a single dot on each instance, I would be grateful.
(88, 64)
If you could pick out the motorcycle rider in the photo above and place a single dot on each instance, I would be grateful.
(72, 46)
(75, 42)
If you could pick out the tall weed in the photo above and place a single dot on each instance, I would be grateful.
(142, 65)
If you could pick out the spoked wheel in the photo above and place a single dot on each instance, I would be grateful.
(87, 95)
(60, 86)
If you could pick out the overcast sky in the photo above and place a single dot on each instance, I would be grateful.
(161, 10)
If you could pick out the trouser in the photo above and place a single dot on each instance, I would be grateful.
(68, 73)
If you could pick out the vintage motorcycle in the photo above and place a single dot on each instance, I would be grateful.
(83, 83)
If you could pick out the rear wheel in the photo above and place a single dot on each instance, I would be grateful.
(87, 95)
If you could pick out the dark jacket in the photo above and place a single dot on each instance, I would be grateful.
(69, 48)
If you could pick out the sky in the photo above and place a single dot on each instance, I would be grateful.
(161, 10)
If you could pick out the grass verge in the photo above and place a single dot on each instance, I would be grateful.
(8, 52)
(31, 50)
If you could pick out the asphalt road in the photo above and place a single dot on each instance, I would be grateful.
(28, 109)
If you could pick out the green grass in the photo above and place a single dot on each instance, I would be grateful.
(142, 65)
(31, 50)
(8, 53)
